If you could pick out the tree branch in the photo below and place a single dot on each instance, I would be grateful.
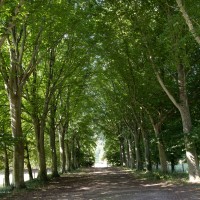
(11, 24)
(3, 69)
(188, 21)
(170, 96)
(32, 63)
(173, 100)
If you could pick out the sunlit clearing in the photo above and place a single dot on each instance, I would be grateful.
(100, 160)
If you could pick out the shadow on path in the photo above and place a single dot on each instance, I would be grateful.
(109, 183)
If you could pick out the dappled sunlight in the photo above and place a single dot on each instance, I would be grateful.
(112, 183)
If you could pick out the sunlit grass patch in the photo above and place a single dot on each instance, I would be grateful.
(176, 177)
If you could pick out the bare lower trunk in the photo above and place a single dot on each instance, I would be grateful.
(128, 157)
(62, 149)
(42, 160)
(18, 153)
(132, 153)
(191, 154)
(139, 165)
(28, 163)
(122, 151)
(68, 156)
(6, 167)
(53, 143)
(147, 154)
(74, 158)
(42, 175)
(162, 157)
(161, 150)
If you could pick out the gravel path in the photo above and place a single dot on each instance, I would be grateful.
(109, 183)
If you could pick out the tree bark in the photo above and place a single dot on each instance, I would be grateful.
(122, 151)
(68, 156)
(15, 98)
(62, 148)
(132, 152)
(183, 107)
(42, 175)
(6, 167)
(28, 162)
(147, 154)
(74, 156)
(128, 159)
(161, 149)
(52, 135)
(139, 165)
(191, 155)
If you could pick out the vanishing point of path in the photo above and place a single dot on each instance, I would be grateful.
(109, 183)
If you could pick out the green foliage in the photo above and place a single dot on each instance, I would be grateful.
(112, 152)
(85, 159)
(170, 177)
(95, 59)
(6, 191)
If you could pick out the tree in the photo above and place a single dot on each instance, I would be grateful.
(181, 62)
(15, 76)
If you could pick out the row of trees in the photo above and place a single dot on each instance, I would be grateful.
(151, 53)
(74, 68)
(44, 65)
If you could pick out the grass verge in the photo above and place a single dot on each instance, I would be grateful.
(176, 177)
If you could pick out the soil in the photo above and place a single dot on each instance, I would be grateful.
(108, 183)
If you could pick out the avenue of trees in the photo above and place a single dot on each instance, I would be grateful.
(72, 69)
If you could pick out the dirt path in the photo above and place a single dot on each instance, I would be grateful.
(109, 183)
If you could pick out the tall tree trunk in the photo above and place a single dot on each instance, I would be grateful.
(15, 98)
(122, 151)
(68, 156)
(183, 107)
(132, 152)
(157, 129)
(62, 148)
(28, 162)
(139, 165)
(191, 154)
(6, 167)
(128, 159)
(147, 155)
(74, 156)
(53, 141)
(42, 175)
(161, 149)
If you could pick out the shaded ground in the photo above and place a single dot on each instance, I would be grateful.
(109, 183)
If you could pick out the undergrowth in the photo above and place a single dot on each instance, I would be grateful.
(30, 185)
(176, 177)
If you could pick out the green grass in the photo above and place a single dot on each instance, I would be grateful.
(30, 185)
(5, 190)
(34, 184)
(175, 177)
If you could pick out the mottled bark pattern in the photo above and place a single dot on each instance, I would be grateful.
(191, 155)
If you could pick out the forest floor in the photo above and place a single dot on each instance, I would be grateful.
(109, 183)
